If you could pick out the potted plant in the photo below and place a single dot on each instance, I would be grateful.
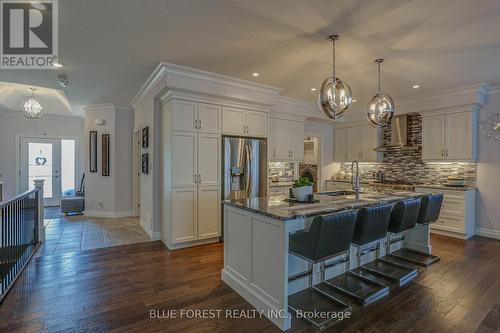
(302, 187)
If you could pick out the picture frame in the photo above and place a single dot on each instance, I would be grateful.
(145, 137)
(145, 163)
(93, 151)
(105, 155)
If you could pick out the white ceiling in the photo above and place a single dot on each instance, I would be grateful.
(109, 47)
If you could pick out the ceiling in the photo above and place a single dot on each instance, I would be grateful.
(109, 47)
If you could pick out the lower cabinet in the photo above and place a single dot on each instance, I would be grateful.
(457, 218)
(209, 212)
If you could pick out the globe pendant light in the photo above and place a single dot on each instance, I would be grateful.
(381, 106)
(335, 96)
(31, 107)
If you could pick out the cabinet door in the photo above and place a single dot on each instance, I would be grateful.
(271, 139)
(209, 212)
(184, 114)
(233, 121)
(370, 142)
(433, 138)
(297, 140)
(282, 139)
(209, 118)
(209, 159)
(256, 124)
(184, 156)
(354, 143)
(184, 214)
(459, 141)
(341, 144)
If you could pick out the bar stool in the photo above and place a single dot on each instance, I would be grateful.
(329, 236)
(403, 216)
(430, 208)
(371, 228)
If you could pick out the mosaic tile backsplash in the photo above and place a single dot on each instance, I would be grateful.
(284, 170)
(407, 165)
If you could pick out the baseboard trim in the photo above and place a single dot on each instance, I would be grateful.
(97, 213)
(192, 243)
(490, 233)
(152, 235)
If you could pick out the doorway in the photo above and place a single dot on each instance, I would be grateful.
(52, 160)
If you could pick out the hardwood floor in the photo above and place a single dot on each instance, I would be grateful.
(114, 289)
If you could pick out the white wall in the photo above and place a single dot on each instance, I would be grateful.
(488, 176)
(323, 130)
(13, 126)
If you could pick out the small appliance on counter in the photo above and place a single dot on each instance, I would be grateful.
(455, 181)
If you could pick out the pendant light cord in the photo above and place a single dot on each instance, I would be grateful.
(379, 77)
(333, 61)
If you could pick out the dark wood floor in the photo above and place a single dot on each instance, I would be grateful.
(113, 289)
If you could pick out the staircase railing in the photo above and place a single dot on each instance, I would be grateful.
(19, 235)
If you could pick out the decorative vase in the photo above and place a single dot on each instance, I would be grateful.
(301, 193)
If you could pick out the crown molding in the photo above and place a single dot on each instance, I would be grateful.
(107, 107)
(158, 73)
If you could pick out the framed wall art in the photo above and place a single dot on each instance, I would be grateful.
(145, 137)
(145, 163)
(105, 154)
(93, 151)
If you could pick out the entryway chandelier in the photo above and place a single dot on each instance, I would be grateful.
(335, 95)
(381, 106)
(31, 107)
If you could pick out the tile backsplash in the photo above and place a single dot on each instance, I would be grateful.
(407, 165)
(284, 170)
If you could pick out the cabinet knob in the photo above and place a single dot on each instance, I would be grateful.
(199, 124)
(196, 124)
(199, 179)
(195, 179)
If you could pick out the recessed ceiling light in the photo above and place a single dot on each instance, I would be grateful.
(415, 86)
(313, 89)
(57, 65)
(354, 100)
(255, 74)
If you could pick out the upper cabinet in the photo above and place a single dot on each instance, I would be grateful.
(356, 143)
(286, 140)
(196, 117)
(450, 137)
(243, 122)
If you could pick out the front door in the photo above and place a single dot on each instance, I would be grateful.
(41, 159)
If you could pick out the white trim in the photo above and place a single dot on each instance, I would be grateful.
(152, 235)
(193, 243)
(151, 81)
(490, 233)
(97, 213)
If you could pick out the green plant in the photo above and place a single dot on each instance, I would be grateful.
(302, 181)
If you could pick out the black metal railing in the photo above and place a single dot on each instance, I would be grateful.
(19, 237)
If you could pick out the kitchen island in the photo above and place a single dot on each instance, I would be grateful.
(257, 264)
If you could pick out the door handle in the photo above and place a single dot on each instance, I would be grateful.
(196, 124)
(442, 152)
(199, 124)
(446, 151)
(195, 179)
(199, 179)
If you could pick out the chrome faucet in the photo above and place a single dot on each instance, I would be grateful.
(355, 178)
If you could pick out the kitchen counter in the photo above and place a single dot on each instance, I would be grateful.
(276, 207)
(446, 187)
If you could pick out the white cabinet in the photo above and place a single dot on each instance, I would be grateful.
(209, 159)
(458, 213)
(370, 137)
(354, 143)
(242, 122)
(184, 115)
(341, 145)
(286, 140)
(450, 137)
(184, 159)
(209, 118)
(209, 212)
(184, 214)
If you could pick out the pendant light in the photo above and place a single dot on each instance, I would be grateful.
(335, 95)
(31, 107)
(381, 106)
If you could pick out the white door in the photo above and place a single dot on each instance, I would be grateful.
(354, 143)
(209, 118)
(433, 138)
(209, 212)
(297, 140)
(209, 159)
(459, 136)
(184, 159)
(184, 214)
(41, 159)
(340, 144)
(282, 139)
(370, 142)
(184, 115)
(233, 121)
(256, 124)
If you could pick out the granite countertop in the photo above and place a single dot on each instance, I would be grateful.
(446, 187)
(276, 206)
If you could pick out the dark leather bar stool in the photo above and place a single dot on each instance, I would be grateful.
(430, 208)
(403, 217)
(371, 229)
(329, 236)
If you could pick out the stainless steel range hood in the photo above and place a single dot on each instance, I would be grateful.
(399, 134)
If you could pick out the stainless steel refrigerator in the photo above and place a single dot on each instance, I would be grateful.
(244, 168)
